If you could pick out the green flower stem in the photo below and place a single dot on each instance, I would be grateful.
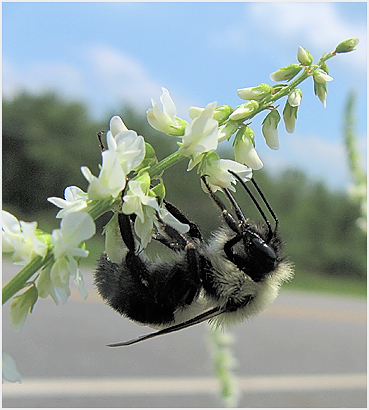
(165, 163)
(99, 207)
(293, 84)
(20, 279)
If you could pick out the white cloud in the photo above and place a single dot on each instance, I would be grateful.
(105, 78)
(318, 24)
(41, 76)
(321, 159)
(119, 77)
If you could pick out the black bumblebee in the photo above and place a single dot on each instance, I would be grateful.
(227, 279)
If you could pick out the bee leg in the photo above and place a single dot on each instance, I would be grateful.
(125, 228)
(228, 218)
(170, 237)
(228, 248)
(194, 231)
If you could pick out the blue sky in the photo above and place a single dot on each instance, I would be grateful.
(107, 53)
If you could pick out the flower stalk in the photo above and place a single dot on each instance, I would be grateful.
(129, 158)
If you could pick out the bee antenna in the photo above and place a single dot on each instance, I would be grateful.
(266, 203)
(251, 195)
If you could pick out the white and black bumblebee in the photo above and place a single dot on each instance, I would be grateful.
(228, 279)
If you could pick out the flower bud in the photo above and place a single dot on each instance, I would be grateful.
(286, 73)
(222, 113)
(244, 148)
(347, 45)
(269, 129)
(227, 130)
(244, 110)
(304, 57)
(255, 93)
(321, 77)
(321, 91)
(289, 117)
(294, 98)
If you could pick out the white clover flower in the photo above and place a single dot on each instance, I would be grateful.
(136, 198)
(244, 149)
(321, 91)
(221, 113)
(21, 239)
(142, 202)
(321, 77)
(244, 110)
(75, 200)
(165, 120)
(227, 130)
(304, 57)
(269, 129)
(216, 170)
(294, 98)
(129, 145)
(194, 112)
(131, 149)
(10, 372)
(200, 136)
(255, 93)
(74, 229)
(116, 125)
(286, 73)
(111, 180)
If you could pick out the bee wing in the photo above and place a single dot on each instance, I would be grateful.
(194, 321)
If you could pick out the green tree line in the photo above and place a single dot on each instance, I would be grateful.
(46, 140)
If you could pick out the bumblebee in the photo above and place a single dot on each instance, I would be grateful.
(227, 279)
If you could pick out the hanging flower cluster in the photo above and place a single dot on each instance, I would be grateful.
(130, 180)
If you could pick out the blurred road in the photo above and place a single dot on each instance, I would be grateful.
(305, 350)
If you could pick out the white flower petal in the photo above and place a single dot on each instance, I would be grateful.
(117, 125)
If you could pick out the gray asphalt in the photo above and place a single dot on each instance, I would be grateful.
(305, 350)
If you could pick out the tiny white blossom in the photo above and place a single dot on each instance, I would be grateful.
(255, 93)
(129, 145)
(136, 198)
(165, 119)
(20, 238)
(139, 201)
(116, 125)
(304, 57)
(111, 180)
(10, 372)
(244, 110)
(244, 150)
(194, 112)
(294, 99)
(321, 91)
(75, 200)
(217, 173)
(74, 229)
(200, 136)
(270, 130)
(321, 77)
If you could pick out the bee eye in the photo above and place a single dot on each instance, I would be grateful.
(264, 248)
